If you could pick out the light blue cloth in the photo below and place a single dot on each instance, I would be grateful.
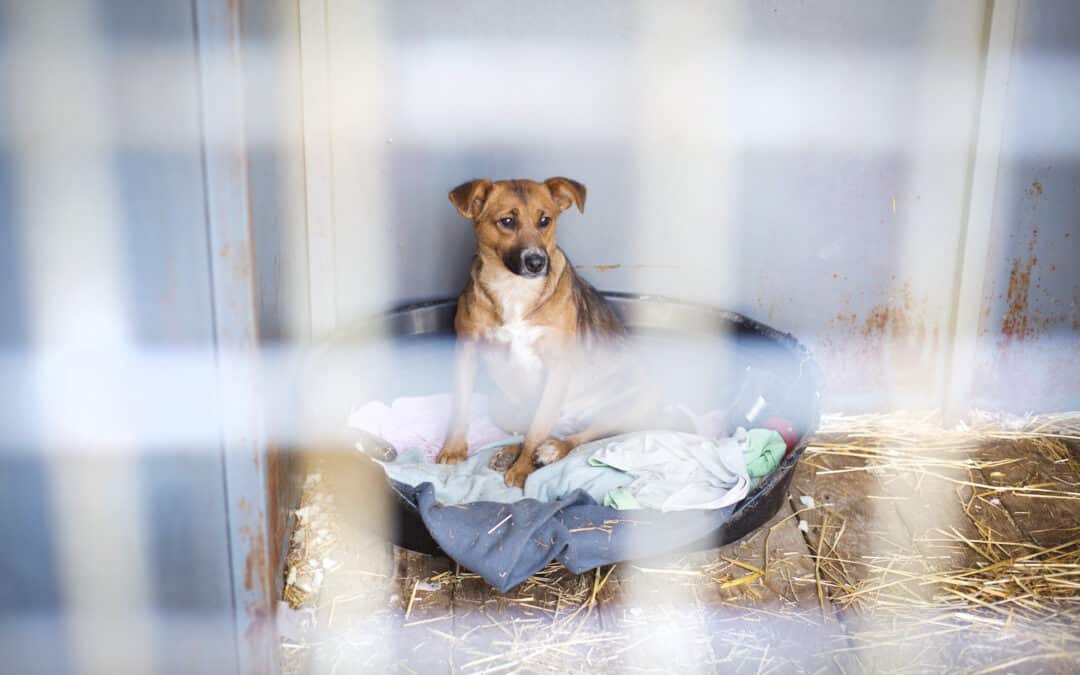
(473, 481)
(663, 470)
(674, 471)
(461, 483)
(576, 471)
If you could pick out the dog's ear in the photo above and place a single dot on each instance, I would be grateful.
(469, 198)
(566, 192)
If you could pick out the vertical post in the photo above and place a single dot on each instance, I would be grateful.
(975, 237)
(318, 165)
(232, 269)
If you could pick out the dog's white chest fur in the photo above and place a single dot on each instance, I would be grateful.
(517, 295)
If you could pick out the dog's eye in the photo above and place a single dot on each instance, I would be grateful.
(507, 222)
(545, 221)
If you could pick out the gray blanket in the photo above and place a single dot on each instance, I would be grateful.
(508, 543)
(505, 534)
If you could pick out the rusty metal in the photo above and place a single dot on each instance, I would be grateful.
(234, 286)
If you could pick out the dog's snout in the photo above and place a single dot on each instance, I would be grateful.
(527, 262)
(534, 260)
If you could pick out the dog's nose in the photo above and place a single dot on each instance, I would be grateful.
(534, 261)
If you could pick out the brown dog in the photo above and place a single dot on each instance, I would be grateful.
(552, 344)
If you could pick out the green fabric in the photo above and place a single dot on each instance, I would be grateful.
(764, 450)
(622, 499)
(619, 498)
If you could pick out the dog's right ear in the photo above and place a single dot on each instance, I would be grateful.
(469, 198)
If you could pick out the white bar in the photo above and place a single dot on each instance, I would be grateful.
(976, 234)
(318, 163)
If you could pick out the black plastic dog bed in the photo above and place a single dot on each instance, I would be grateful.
(761, 366)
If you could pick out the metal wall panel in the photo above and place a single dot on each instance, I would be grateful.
(1029, 334)
(805, 163)
(273, 108)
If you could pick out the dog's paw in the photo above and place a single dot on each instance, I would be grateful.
(551, 450)
(452, 453)
(504, 458)
(516, 475)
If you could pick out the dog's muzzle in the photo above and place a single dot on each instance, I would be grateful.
(530, 262)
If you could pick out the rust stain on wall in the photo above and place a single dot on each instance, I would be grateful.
(1018, 324)
(608, 268)
(892, 343)
(249, 570)
(255, 563)
(898, 317)
(1031, 358)
(1015, 324)
(1076, 308)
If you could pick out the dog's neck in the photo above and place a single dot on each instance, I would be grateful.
(515, 297)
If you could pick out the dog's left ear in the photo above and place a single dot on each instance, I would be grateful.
(566, 192)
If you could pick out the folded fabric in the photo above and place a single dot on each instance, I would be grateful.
(764, 450)
(675, 471)
(621, 499)
(420, 422)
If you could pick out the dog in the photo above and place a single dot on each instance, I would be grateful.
(552, 344)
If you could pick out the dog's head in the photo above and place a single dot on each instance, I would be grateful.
(515, 220)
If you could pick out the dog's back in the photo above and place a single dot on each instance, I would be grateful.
(596, 319)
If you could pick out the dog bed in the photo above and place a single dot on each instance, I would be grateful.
(700, 354)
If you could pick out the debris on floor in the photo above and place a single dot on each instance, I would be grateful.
(313, 538)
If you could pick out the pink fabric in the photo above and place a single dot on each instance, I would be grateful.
(420, 422)
(713, 424)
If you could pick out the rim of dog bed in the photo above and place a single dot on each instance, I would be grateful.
(642, 314)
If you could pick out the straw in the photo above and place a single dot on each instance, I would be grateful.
(996, 590)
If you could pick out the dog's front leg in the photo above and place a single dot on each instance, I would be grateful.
(456, 446)
(547, 414)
